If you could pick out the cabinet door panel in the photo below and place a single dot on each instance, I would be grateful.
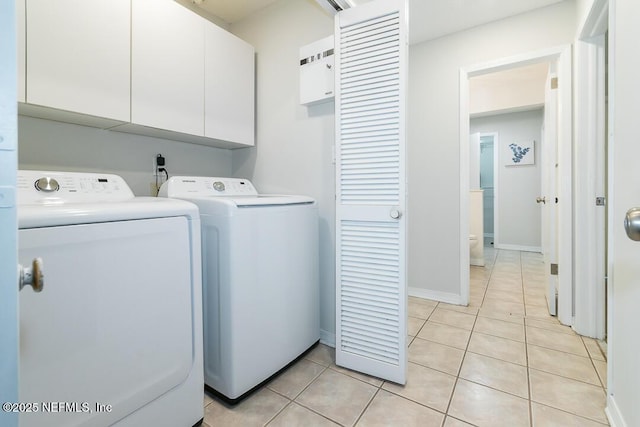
(229, 87)
(78, 56)
(167, 74)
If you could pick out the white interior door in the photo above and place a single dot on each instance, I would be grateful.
(371, 290)
(549, 180)
(623, 386)
(559, 186)
(8, 222)
(590, 177)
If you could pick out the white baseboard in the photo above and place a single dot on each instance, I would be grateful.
(518, 247)
(479, 262)
(328, 338)
(436, 295)
(613, 413)
(488, 235)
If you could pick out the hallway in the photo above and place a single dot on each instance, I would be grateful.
(502, 361)
(513, 361)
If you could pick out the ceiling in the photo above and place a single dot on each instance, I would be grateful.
(232, 11)
(428, 19)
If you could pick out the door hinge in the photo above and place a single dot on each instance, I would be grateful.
(601, 201)
(554, 83)
(554, 269)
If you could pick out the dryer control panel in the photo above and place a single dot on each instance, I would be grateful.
(47, 187)
(199, 186)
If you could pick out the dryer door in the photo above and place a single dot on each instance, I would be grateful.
(112, 328)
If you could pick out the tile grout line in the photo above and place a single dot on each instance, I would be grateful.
(464, 355)
(327, 367)
(304, 389)
(604, 386)
(280, 411)
(526, 349)
(368, 405)
(296, 396)
(484, 295)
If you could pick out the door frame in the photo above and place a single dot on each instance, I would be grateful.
(562, 54)
(590, 174)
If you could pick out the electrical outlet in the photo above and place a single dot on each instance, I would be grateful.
(159, 162)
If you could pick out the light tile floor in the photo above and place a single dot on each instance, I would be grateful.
(502, 361)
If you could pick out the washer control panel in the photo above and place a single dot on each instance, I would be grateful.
(70, 187)
(199, 186)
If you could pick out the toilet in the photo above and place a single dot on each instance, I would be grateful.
(473, 241)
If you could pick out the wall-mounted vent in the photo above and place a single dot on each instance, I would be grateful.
(335, 6)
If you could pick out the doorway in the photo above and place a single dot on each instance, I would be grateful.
(562, 57)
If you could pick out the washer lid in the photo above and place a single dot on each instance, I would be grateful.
(237, 192)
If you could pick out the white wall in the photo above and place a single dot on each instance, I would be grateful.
(48, 145)
(518, 186)
(434, 147)
(293, 152)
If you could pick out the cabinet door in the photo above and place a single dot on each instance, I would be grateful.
(78, 56)
(167, 73)
(229, 87)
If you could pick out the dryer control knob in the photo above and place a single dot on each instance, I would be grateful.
(218, 186)
(47, 184)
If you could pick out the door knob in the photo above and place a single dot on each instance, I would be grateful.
(31, 275)
(632, 224)
(395, 214)
(541, 199)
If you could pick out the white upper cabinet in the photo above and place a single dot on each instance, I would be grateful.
(167, 72)
(229, 87)
(151, 67)
(78, 56)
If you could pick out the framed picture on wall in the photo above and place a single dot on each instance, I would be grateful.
(521, 153)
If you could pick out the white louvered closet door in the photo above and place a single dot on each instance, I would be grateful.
(371, 292)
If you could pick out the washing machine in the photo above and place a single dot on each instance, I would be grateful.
(260, 279)
(111, 326)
